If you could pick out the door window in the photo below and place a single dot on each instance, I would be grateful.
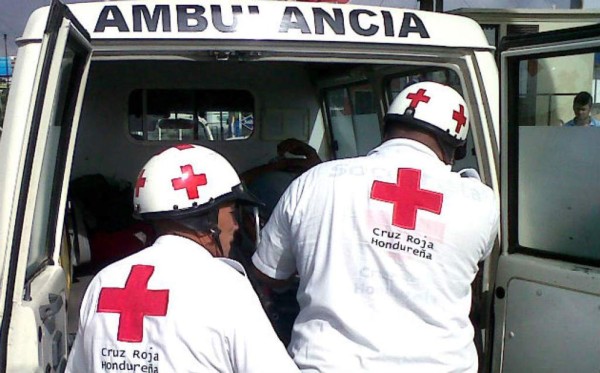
(439, 75)
(554, 124)
(50, 185)
(353, 118)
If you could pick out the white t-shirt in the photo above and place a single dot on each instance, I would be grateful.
(384, 285)
(174, 308)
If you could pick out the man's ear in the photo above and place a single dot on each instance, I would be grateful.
(207, 241)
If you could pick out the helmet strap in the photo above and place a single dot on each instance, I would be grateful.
(449, 152)
(208, 223)
(215, 233)
(460, 152)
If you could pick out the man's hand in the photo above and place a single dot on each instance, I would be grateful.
(297, 147)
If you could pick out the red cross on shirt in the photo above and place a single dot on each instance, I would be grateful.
(189, 181)
(459, 117)
(140, 183)
(407, 197)
(417, 98)
(133, 303)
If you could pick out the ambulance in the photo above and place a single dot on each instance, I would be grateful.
(99, 87)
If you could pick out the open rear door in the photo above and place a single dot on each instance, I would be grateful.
(547, 294)
(33, 329)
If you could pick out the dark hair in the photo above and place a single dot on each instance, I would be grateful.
(583, 98)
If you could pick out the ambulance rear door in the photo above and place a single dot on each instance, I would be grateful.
(35, 153)
(547, 292)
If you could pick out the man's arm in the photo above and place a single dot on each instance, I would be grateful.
(272, 282)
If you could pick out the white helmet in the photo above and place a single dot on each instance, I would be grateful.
(433, 106)
(185, 181)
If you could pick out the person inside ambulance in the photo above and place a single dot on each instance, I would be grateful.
(386, 246)
(267, 183)
(180, 305)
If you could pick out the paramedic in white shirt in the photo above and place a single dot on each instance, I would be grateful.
(386, 246)
(179, 305)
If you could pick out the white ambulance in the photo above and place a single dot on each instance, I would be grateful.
(100, 87)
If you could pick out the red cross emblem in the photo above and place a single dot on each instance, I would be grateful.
(189, 181)
(134, 302)
(417, 98)
(459, 117)
(407, 197)
(140, 183)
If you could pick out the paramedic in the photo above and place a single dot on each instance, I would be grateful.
(386, 246)
(181, 304)
(582, 108)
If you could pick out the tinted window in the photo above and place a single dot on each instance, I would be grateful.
(352, 113)
(555, 153)
(188, 115)
(43, 230)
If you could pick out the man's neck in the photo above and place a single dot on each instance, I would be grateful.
(423, 137)
(583, 122)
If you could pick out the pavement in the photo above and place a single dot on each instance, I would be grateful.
(82, 277)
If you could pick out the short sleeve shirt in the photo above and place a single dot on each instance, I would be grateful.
(386, 247)
(593, 123)
(174, 308)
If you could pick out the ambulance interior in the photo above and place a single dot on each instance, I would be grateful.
(239, 105)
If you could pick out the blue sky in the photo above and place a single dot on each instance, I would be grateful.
(14, 13)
